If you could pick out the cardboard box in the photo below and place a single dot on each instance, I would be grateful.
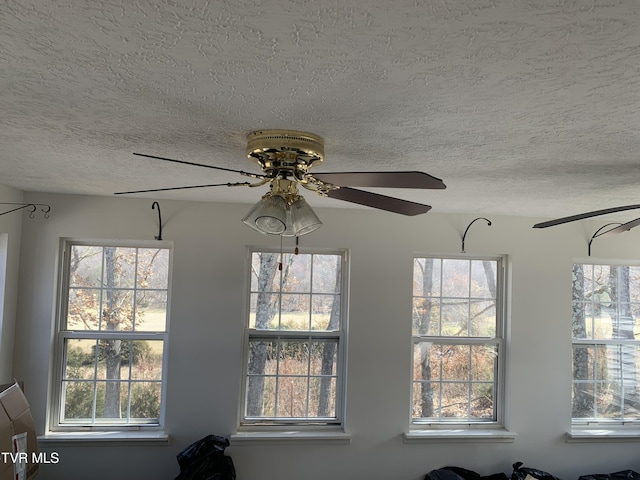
(15, 418)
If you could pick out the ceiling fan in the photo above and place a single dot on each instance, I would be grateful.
(286, 158)
(624, 227)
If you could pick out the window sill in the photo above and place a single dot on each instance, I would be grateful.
(460, 435)
(112, 437)
(291, 437)
(603, 435)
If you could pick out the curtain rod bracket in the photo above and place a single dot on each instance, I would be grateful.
(467, 229)
(597, 234)
(153, 207)
(33, 207)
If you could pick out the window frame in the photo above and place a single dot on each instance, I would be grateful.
(589, 428)
(246, 424)
(54, 413)
(420, 425)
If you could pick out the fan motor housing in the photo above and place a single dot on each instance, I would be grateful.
(282, 150)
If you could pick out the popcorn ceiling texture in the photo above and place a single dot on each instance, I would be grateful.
(521, 107)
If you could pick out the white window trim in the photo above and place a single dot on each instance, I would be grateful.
(465, 431)
(56, 433)
(297, 431)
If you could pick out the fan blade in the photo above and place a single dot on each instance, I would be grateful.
(625, 227)
(200, 165)
(411, 179)
(240, 184)
(382, 202)
(582, 216)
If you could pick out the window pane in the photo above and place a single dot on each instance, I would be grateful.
(582, 396)
(113, 359)
(80, 359)
(263, 311)
(145, 400)
(483, 318)
(292, 397)
(455, 278)
(151, 311)
(119, 267)
(146, 360)
(325, 312)
(261, 397)
(324, 357)
(454, 400)
(295, 312)
(322, 397)
(78, 400)
(115, 395)
(296, 273)
(293, 358)
(262, 357)
(85, 266)
(483, 363)
(482, 400)
(426, 277)
(455, 317)
(326, 273)
(265, 276)
(454, 362)
(425, 358)
(483, 279)
(117, 310)
(153, 268)
(426, 316)
(83, 309)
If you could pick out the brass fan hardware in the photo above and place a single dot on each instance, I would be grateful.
(286, 158)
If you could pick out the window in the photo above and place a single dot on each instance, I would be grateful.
(606, 350)
(295, 339)
(458, 346)
(112, 336)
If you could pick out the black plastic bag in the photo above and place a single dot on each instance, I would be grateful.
(520, 473)
(459, 473)
(205, 460)
(622, 475)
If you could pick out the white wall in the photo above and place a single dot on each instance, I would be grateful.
(206, 333)
(10, 229)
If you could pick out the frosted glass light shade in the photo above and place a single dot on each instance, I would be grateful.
(274, 216)
(268, 216)
(303, 218)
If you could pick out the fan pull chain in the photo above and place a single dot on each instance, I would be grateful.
(296, 251)
(280, 263)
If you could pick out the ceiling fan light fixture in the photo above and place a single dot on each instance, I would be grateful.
(282, 212)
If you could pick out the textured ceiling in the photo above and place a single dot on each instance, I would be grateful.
(521, 107)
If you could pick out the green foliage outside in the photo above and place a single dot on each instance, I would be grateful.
(79, 395)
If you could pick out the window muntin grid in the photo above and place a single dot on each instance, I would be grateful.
(457, 340)
(294, 365)
(112, 337)
(605, 349)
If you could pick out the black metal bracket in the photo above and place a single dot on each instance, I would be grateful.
(31, 206)
(598, 234)
(153, 207)
(467, 229)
